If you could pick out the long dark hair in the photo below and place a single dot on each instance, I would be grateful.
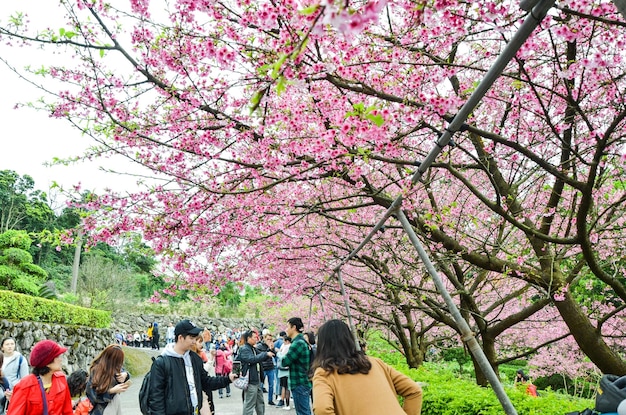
(104, 367)
(336, 350)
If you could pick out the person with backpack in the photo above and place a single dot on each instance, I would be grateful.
(15, 366)
(177, 378)
(223, 365)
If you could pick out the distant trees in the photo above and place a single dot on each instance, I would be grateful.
(21, 206)
(35, 257)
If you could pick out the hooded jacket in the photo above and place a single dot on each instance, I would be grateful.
(15, 368)
(169, 390)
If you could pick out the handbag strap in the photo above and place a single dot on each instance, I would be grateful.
(43, 396)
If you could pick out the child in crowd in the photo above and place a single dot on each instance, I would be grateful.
(77, 383)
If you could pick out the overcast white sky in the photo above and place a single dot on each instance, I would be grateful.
(28, 138)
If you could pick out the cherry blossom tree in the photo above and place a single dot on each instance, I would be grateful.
(279, 131)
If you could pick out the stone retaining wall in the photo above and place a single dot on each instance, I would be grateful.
(85, 343)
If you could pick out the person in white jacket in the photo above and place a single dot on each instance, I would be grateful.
(15, 367)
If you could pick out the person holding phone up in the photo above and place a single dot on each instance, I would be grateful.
(107, 380)
(250, 358)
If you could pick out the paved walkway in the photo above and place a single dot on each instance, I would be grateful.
(225, 406)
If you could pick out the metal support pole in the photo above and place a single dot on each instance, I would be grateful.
(346, 304)
(621, 6)
(466, 333)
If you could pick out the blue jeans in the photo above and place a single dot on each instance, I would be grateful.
(271, 379)
(221, 391)
(301, 396)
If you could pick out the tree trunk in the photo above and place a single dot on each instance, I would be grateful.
(589, 340)
(76, 264)
(489, 348)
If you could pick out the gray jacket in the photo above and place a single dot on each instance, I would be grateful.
(250, 359)
(16, 369)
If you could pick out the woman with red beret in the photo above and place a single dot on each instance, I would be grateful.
(46, 380)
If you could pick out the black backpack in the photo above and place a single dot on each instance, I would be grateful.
(144, 391)
(611, 391)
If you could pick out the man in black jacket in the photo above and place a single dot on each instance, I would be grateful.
(268, 366)
(178, 378)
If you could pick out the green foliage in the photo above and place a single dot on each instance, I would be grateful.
(15, 239)
(36, 271)
(25, 266)
(47, 291)
(8, 274)
(15, 256)
(22, 207)
(25, 285)
(14, 306)
(370, 113)
(446, 393)
(17, 272)
(69, 298)
(458, 355)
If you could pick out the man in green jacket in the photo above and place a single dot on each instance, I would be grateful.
(298, 359)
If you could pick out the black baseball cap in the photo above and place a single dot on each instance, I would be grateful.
(186, 327)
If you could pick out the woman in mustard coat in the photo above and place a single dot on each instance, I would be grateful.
(346, 381)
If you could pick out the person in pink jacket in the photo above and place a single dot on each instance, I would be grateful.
(46, 380)
(223, 365)
(345, 377)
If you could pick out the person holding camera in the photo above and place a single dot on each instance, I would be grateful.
(250, 359)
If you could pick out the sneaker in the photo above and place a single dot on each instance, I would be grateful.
(271, 403)
(286, 408)
(228, 395)
(221, 396)
(280, 403)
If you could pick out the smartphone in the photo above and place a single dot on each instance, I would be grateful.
(237, 368)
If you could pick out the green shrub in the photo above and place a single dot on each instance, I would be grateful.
(15, 239)
(446, 393)
(25, 284)
(7, 274)
(14, 306)
(35, 270)
(16, 256)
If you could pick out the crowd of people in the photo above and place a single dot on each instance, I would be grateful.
(323, 377)
(149, 337)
